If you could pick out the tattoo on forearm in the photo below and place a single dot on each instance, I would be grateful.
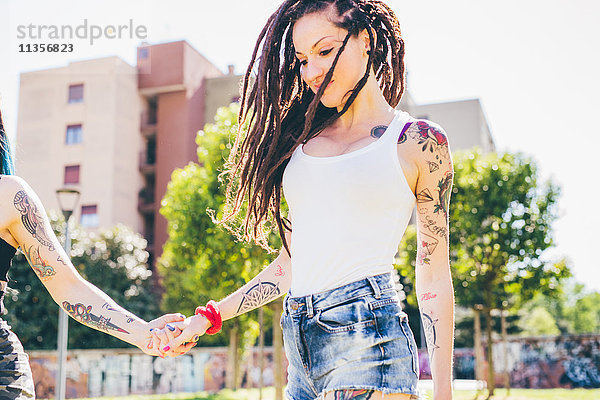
(257, 295)
(60, 260)
(42, 269)
(353, 394)
(108, 307)
(428, 296)
(430, 333)
(32, 220)
(426, 248)
(279, 271)
(84, 315)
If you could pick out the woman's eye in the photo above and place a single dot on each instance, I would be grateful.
(325, 52)
(303, 62)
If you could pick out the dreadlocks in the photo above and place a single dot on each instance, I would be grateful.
(280, 111)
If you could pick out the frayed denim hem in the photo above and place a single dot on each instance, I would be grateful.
(414, 393)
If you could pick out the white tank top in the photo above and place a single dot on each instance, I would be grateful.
(348, 212)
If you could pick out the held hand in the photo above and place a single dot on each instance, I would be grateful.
(151, 342)
(191, 329)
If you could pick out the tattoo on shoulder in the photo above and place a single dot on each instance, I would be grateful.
(432, 139)
(32, 220)
(353, 394)
(83, 314)
(258, 295)
(42, 269)
(430, 333)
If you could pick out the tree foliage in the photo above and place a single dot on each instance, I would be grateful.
(500, 225)
(201, 260)
(114, 260)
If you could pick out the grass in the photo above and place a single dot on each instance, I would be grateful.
(269, 394)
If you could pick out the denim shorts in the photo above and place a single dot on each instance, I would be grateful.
(352, 337)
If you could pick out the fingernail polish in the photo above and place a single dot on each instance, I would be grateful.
(171, 328)
(181, 315)
(149, 345)
(196, 338)
(166, 348)
(151, 329)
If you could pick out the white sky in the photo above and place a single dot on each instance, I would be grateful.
(533, 64)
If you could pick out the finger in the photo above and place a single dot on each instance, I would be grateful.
(185, 348)
(161, 336)
(177, 317)
(170, 333)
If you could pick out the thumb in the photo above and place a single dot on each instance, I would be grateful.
(167, 318)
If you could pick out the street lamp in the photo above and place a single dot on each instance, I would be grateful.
(67, 201)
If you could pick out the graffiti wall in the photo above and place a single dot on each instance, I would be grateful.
(551, 362)
(94, 373)
(565, 361)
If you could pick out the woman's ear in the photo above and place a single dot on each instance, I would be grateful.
(364, 36)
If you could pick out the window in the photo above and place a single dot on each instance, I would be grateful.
(74, 134)
(71, 174)
(75, 93)
(89, 216)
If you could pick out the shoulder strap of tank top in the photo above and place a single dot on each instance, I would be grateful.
(408, 120)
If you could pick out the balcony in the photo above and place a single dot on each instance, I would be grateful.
(147, 163)
(146, 202)
(148, 124)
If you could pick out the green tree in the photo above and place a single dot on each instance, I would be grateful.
(114, 260)
(500, 224)
(201, 260)
(537, 322)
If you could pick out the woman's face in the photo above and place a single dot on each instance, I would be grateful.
(316, 42)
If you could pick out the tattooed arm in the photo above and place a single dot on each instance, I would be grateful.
(270, 284)
(435, 293)
(31, 230)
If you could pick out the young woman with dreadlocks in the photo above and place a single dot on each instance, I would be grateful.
(322, 127)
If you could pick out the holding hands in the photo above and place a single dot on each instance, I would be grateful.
(177, 336)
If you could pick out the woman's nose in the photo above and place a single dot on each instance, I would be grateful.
(312, 72)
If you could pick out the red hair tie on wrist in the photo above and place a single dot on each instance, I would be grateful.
(212, 313)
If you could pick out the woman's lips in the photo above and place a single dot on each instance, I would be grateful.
(318, 87)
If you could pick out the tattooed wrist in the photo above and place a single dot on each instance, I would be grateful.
(429, 323)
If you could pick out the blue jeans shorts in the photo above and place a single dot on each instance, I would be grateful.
(352, 337)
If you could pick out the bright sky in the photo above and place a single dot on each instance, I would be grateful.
(533, 63)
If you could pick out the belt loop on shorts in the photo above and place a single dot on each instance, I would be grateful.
(375, 286)
(309, 306)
